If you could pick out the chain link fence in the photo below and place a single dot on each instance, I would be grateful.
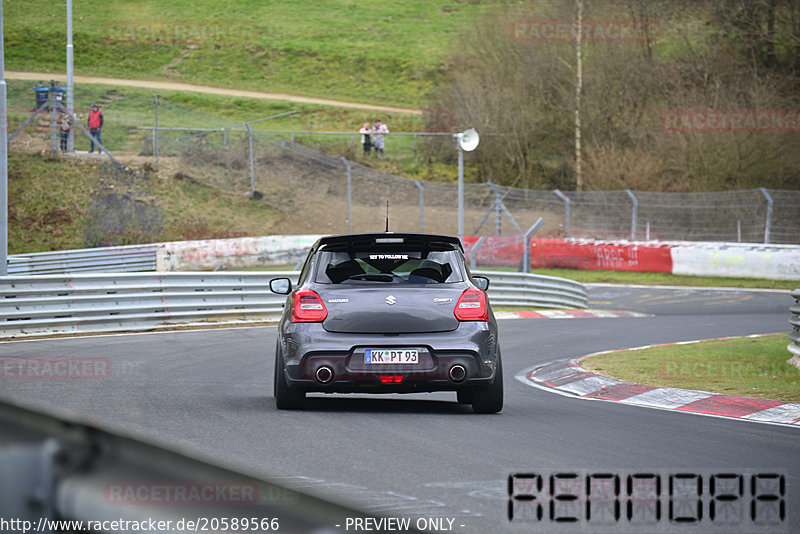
(341, 194)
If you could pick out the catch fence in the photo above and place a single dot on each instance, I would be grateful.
(349, 194)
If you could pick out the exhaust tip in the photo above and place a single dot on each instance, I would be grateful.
(458, 373)
(324, 374)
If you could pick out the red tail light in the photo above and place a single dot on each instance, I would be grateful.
(471, 306)
(308, 307)
(391, 379)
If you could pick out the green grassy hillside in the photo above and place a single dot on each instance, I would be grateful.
(58, 204)
(378, 52)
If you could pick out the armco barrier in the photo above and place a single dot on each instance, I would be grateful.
(794, 335)
(201, 255)
(87, 260)
(67, 467)
(520, 289)
(134, 301)
(57, 304)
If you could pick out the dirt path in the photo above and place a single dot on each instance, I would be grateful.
(178, 86)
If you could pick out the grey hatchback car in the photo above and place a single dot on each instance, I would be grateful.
(387, 313)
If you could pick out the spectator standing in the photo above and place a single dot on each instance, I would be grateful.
(95, 126)
(64, 126)
(366, 141)
(379, 132)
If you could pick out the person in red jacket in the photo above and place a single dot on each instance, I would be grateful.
(95, 126)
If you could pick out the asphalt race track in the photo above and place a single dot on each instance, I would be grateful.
(209, 394)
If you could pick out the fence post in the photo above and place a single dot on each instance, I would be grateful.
(53, 108)
(526, 245)
(421, 206)
(498, 223)
(499, 206)
(349, 198)
(473, 253)
(566, 200)
(252, 164)
(633, 213)
(155, 132)
(768, 224)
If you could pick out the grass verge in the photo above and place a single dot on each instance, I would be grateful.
(751, 367)
(665, 279)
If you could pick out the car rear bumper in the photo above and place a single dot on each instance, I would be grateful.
(312, 351)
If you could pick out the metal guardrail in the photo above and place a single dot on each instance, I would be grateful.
(522, 289)
(69, 304)
(129, 258)
(51, 304)
(59, 470)
(794, 335)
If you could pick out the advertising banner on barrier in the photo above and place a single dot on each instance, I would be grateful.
(594, 255)
(772, 262)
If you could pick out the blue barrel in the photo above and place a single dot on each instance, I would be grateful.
(43, 92)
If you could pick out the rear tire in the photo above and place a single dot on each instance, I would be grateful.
(490, 399)
(465, 395)
(285, 397)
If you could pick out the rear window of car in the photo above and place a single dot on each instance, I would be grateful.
(389, 266)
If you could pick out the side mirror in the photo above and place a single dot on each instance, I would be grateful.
(281, 286)
(482, 282)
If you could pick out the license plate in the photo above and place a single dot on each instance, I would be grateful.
(390, 356)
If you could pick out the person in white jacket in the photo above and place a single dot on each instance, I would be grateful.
(379, 132)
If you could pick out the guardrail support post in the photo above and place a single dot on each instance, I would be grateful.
(768, 223)
(526, 245)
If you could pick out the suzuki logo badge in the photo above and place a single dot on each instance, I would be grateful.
(390, 300)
